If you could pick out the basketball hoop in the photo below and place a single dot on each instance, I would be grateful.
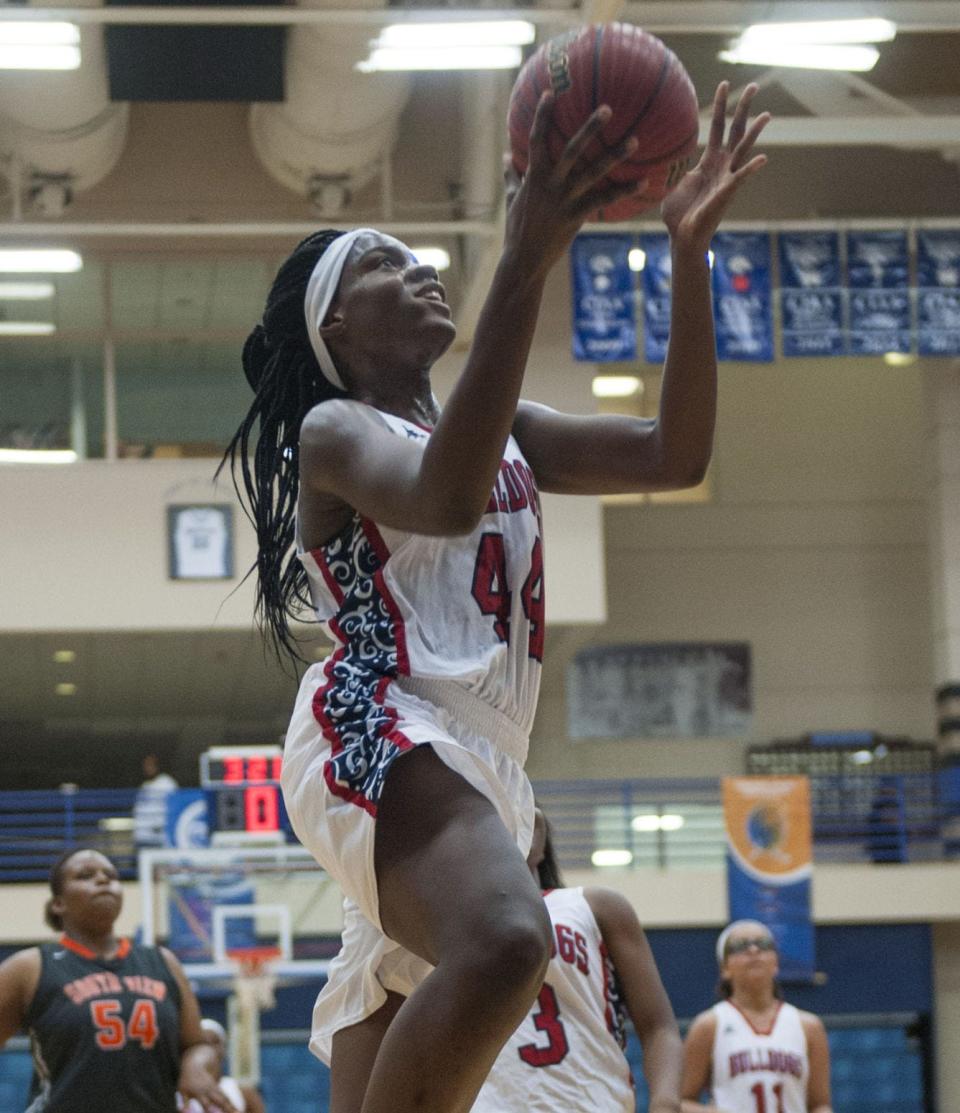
(254, 978)
(254, 983)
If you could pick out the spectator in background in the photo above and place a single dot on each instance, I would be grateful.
(150, 807)
(887, 831)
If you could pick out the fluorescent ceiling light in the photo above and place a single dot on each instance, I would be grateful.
(37, 456)
(615, 386)
(447, 58)
(65, 688)
(39, 56)
(36, 33)
(652, 822)
(436, 257)
(611, 857)
(64, 656)
(41, 260)
(26, 291)
(899, 359)
(822, 31)
(636, 258)
(804, 56)
(512, 32)
(27, 328)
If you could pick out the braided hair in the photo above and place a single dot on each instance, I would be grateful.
(283, 371)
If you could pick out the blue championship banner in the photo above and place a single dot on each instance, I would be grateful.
(811, 297)
(657, 278)
(878, 266)
(604, 325)
(742, 296)
(770, 862)
(938, 292)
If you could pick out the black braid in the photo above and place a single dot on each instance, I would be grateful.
(280, 365)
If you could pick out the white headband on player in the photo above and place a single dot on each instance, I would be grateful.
(320, 291)
(725, 935)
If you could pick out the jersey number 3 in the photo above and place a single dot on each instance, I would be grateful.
(547, 1020)
(494, 594)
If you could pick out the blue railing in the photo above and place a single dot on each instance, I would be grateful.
(36, 826)
(665, 824)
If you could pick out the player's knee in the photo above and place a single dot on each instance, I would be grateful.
(516, 946)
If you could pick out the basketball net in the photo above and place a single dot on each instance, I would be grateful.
(254, 983)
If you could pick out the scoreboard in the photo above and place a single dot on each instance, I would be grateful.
(242, 784)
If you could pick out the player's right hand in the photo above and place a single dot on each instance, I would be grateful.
(554, 198)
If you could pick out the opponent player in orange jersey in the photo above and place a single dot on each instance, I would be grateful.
(113, 1025)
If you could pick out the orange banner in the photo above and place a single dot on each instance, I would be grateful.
(768, 826)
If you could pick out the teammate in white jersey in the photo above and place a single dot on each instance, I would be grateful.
(567, 1053)
(403, 766)
(753, 1051)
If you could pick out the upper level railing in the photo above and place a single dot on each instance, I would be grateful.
(661, 824)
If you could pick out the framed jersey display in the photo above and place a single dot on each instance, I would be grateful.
(200, 541)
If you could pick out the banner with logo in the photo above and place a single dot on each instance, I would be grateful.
(878, 268)
(188, 820)
(604, 322)
(742, 302)
(811, 294)
(657, 278)
(938, 292)
(770, 863)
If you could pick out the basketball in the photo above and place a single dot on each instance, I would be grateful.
(644, 83)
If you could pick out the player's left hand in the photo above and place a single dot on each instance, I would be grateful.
(693, 210)
(205, 1093)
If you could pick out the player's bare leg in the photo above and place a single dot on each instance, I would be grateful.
(455, 890)
(354, 1051)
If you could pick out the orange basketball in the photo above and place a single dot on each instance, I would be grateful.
(647, 88)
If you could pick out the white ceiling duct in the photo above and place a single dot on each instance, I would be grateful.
(329, 138)
(59, 130)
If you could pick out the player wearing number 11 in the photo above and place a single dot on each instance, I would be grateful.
(753, 1051)
(416, 536)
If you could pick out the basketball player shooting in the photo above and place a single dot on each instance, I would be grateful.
(403, 762)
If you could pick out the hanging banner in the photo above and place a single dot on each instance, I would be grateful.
(741, 296)
(811, 296)
(938, 292)
(657, 278)
(878, 267)
(770, 862)
(604, 324)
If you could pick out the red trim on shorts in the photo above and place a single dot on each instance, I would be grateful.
(320, 558)
(123, 948)
(379, 546)
(759, 1031)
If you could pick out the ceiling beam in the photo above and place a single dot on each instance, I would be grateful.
(704, 17)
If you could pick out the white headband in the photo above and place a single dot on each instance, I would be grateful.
(320, 290)
(725, 935)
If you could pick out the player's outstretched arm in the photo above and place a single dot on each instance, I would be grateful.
(610, 454)
(444, 486)
(646, 999)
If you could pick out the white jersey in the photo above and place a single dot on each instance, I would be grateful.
(568, 1052)
(759, 1072)
(439, 609)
